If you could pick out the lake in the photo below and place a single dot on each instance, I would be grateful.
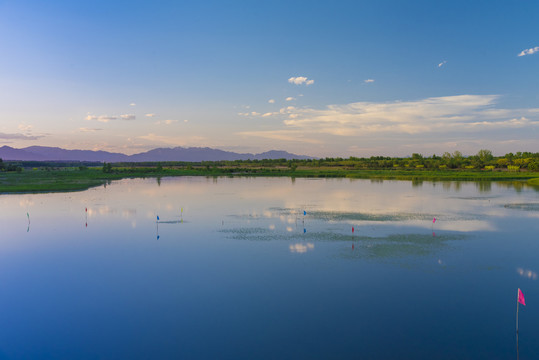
(270, 268)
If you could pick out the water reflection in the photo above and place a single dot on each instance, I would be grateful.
(484, 186)
(527, 273)
(260, 263)
(301, 248)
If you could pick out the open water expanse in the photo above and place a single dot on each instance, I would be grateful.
(270, 268)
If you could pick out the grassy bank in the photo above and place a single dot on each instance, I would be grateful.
(76, 179)
(533, 182)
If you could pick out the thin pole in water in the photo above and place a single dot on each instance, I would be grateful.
(517, 345)
(517, 309)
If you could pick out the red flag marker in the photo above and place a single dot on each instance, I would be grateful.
(521, 297)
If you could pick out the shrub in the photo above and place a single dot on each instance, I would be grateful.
(533, 166)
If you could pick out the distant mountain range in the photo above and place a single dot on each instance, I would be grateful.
(193, 154)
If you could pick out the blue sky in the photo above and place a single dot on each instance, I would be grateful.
(340, 78)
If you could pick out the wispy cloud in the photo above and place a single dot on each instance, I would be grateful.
(83, 129)
(100, 118)
(290, 98)
(271, 101)
(252, 113)
(149, 115)
(283, 135)
(369, 81)
(529, 51)
(166, 122)
(175, 140)
(299, 80)
(107, 118)
(132, 104)
(18, 136)
(442, 63)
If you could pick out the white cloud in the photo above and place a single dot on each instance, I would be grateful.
(456, 114)
(442, 63)
(128, 117)
(369, 81)
(290, 98)
(132, 104)
(267, 114)
(529, 51)
(271, 101)
(25, 128)
(149, 115)
(300, 80)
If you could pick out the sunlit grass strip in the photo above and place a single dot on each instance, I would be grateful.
(71, 179)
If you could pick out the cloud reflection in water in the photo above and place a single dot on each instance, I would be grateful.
(527, 273)
(301, 248)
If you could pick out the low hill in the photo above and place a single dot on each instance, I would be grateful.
(193, 154)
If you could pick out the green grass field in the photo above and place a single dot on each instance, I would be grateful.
(73, 179)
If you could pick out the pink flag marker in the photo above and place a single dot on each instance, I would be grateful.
(521, 297)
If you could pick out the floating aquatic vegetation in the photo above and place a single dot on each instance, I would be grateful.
(400, 246)
(474, 197)
(253, 234)
(523, 206)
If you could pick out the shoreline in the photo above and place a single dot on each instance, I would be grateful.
(74, 179)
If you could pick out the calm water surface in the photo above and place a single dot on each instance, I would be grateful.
(270, 268)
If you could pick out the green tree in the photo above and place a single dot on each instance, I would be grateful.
(484, 156)
(107, 168)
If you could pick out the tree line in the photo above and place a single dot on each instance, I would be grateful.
(483, 160)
